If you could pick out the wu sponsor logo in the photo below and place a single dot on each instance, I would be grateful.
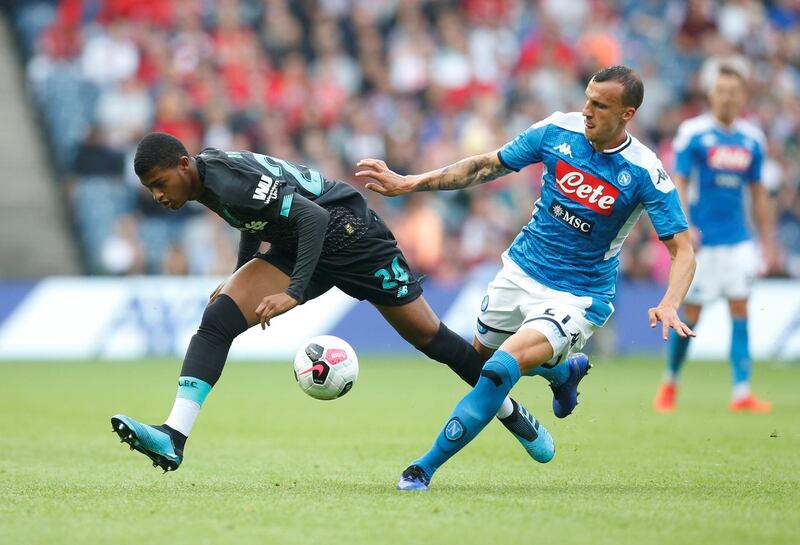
(570, 218)
(267, 190)
(563, 149)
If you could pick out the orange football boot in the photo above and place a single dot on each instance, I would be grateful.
(750, 404)
(665, 397)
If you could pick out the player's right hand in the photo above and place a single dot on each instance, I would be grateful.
(386, 182)
(216, 292)
(668, 316)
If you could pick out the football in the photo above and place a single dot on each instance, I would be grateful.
(325, 367)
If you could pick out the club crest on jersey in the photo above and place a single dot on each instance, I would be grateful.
(624, 178)
(266, 190)
(570, 218)
(585, 189)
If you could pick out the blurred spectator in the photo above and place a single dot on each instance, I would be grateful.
(420, 232)
(122, 251)
(109, 54)
(420, 83)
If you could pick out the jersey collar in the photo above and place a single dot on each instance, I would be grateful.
(621, 147)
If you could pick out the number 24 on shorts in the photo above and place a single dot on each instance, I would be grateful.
(400, 275)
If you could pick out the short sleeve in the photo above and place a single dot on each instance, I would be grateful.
(525, 149)
(660, 199)
(757, 162)
(682, 147)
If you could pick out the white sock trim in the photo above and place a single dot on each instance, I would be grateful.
(184, 413)
(741, 390)
(506, 408)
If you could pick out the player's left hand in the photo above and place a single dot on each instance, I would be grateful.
(668, 316)
(274, 305)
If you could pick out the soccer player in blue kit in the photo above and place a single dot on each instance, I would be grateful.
(717, 155)
(558, 276)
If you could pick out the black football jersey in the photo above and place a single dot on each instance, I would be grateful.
(291, 206)
(256, 194)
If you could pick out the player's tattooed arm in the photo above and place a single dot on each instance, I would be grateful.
(474, 170)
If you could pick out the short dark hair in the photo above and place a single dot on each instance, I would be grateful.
(632, 86)
(728, 70)
(157, 149)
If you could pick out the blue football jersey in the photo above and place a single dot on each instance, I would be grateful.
(590, 201)
(717, 164)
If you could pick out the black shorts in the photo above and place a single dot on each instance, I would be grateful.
(372, 268)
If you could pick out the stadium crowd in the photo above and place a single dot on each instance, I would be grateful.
(418, 83)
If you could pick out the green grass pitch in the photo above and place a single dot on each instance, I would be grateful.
(266, 464)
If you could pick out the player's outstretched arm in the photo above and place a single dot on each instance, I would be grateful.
(681, 272)
(474, 170)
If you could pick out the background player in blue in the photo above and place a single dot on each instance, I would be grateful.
(717, 155)
(558, 276)
(322, 234)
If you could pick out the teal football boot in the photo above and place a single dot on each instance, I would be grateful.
(151, 441)
(533, 436)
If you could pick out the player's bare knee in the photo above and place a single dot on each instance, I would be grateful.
(738, 308)
(530, 348)
(424, 333)
(691, 313)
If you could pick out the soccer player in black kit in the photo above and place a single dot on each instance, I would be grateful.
(321, 234)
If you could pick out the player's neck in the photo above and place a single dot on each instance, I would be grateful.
(612, 143)
(726, 122)
(196, 181)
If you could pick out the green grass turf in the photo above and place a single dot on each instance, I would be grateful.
(267, 464)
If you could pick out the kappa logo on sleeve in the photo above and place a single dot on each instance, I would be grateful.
(266, 190)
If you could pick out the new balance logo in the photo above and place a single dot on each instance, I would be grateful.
(267, 190)
(563, 149)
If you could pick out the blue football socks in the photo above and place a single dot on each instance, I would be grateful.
(556, 375)
(474, 411)
(740, 352)
(676, 353)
